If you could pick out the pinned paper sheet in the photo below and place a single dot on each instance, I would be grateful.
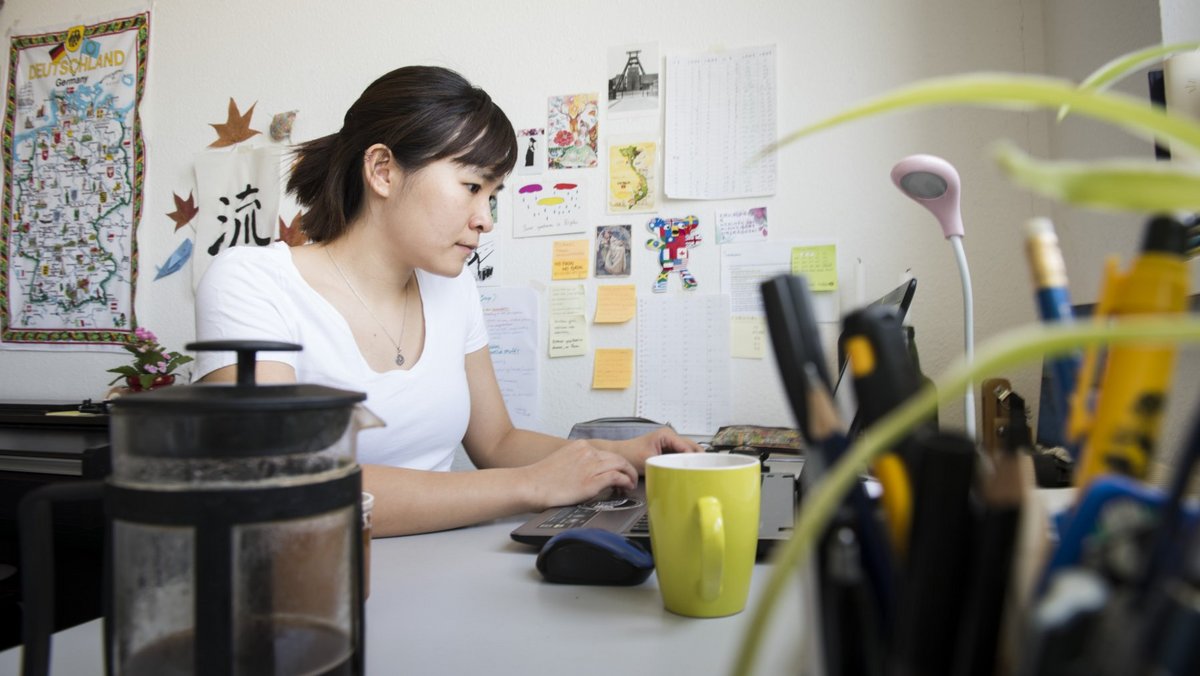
(818, 264)
(570, 259)
(568, 323)
(749, 337)
(615, 303)
(742, 225)
(512, 323)
(613, 369)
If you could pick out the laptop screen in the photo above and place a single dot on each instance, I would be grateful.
(900, 298)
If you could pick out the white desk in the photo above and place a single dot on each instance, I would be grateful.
(470, 601)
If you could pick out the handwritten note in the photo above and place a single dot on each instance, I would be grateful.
(511, 318)
(742, 225)
(818, 264)
(748, 336)
(612, 369)
(570, 259)
(615, 303)
(568, 321)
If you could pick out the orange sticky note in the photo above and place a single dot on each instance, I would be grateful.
(615, 303)
(613, 369)
(570, 259)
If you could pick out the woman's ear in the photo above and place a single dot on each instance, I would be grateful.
(380, 174)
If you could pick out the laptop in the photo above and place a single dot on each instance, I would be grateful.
(780, 492)
(626, 514)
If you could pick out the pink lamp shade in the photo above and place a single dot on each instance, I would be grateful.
(933, 183)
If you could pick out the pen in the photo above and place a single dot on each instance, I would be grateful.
(829, 436)
(1054, 306)
(1136, 378)
(851, 641)
(931, 599)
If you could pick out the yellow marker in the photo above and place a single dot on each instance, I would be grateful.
(1133, 391)
(897, 499)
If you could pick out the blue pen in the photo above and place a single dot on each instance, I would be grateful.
(1054, 306)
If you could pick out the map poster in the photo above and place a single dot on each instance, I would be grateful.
(73, 189)
(632, 178)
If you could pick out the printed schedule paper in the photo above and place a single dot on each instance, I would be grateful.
(683, 365)
(720, 116)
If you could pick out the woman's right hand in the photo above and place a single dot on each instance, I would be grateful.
(577, 472)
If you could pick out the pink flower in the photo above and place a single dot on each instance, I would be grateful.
(151, 368)
(145, 334)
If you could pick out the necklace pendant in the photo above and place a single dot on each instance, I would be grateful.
(399, 358)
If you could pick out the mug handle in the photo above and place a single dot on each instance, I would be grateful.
(712, 547)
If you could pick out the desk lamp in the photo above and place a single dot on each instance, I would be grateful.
(933, 183)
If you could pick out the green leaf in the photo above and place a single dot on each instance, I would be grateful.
(1000, 354)
(1123, 65)
(1007, 91)
(1128, 185)
(124, 371)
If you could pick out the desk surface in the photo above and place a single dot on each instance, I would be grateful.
(470, 601)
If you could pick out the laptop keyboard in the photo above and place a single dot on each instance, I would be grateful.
(577, 516)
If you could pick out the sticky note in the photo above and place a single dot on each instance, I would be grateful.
(615, 303)
(748, 335)
(570, 259)
(613, 369)
(818, 264)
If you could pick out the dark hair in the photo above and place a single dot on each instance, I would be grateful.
(423, 114)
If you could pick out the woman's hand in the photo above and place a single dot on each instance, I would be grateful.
(577, 472)
(661, 440)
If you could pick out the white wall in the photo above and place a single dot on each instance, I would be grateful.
(317, 56)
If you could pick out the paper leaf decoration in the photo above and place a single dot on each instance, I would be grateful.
(185, 210)
(235, 129)
(292, 233)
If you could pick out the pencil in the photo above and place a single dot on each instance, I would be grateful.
(829, 436)
(932, 589)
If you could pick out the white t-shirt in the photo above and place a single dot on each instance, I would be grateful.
(256, 293)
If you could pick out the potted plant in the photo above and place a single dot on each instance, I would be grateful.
(1121, 184)
(153, 366)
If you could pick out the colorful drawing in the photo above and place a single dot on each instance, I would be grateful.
(572, 128)
(548, 209)
(631, 177)
(672, 239)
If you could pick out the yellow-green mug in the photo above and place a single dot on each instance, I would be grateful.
(703, 530)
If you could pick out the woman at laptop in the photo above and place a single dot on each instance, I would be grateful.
(395, 204)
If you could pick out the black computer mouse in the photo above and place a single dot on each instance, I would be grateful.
(594, 556)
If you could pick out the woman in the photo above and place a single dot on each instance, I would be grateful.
(396, 202)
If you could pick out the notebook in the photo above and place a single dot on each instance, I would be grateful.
(626, 514)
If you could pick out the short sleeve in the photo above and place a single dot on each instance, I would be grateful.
(240, 298)
(477, 336)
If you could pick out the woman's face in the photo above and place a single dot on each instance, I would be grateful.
(439, 212)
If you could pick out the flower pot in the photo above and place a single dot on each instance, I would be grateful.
(135, 384)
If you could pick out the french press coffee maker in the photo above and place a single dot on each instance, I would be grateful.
(234, 529)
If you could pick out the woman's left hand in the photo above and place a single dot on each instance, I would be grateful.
(661, 440)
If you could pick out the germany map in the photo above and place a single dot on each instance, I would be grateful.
(73, 183)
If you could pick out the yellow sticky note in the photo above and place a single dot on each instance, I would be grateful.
(615, 303)
(570, 259)
(613, 369)
(818, 264)
(748, 337)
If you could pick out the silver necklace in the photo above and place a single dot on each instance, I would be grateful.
(403, 317)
